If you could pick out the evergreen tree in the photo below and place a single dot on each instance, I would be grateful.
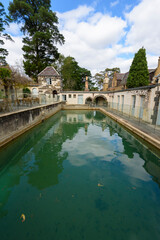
(138, 73)
(4, 20)
(42, 34)
(73, 76)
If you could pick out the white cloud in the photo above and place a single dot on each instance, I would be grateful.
(144, 22)
(97, 30)
(83, 150)
(134, 167)
(91, 37)
(15, 50)
(113, 4)
(13, 29)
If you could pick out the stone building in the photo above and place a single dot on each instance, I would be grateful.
(142, 103)
(49, 83)
(119, 80)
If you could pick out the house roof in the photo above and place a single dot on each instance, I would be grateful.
(124, 80)
(49, 72)
(120, 76)
(151, 70)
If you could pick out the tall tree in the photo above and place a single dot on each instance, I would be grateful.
(4, 20)
(59, 63)
(42, 34)
(99, 77)
(5, 75)
(138, 73)
(73, 76)
(111, 71)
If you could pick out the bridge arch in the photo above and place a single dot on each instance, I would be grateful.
(88, 100)
(100, 100)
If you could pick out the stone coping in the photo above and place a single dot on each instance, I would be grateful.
(133, 129)
(123, 90)
(28, 109)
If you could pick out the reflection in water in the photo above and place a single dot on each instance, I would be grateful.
(85, 175)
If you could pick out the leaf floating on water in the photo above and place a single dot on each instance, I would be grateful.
(23, 217)
(100, 185)
(134, 188)
(73, 195)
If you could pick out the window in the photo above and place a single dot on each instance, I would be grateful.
(74, 95)
(49, 81)
(122, 97)
(70, 96)
(134, 101)
(118, 102)
(133, 104)
(64, 98)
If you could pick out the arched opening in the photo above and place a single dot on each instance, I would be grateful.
(100, 100)
(88, 100)
(35, 92)
(54, 93)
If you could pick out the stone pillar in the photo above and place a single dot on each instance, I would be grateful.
(86, 84)
(105, 82)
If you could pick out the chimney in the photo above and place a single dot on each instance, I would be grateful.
(105, 82)
(86, 84)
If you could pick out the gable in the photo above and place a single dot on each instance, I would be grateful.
(49, 72)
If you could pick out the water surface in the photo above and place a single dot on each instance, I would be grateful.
(79, 175)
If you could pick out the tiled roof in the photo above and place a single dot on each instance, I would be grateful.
(120, 76)
(49, 72)
(124, 80)
(151, 70)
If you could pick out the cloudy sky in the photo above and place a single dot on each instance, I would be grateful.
(101, 33)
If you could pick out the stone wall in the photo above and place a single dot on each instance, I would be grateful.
(14, 124)
(137, 102)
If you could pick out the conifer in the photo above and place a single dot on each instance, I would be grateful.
(138, 73)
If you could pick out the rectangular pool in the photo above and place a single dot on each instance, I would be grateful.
(79, 175)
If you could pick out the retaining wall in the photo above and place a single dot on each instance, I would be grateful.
(14, 124)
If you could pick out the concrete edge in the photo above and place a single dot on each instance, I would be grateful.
(22, 131)
(136, 131)
(27, 109)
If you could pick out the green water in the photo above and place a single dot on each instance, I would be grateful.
(79, 175)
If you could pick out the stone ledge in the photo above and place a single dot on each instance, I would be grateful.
(14, 124)
(154, 142)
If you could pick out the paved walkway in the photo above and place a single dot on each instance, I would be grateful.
(151, 130)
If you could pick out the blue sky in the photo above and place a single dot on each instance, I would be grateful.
(101, 33)
(115, 6)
